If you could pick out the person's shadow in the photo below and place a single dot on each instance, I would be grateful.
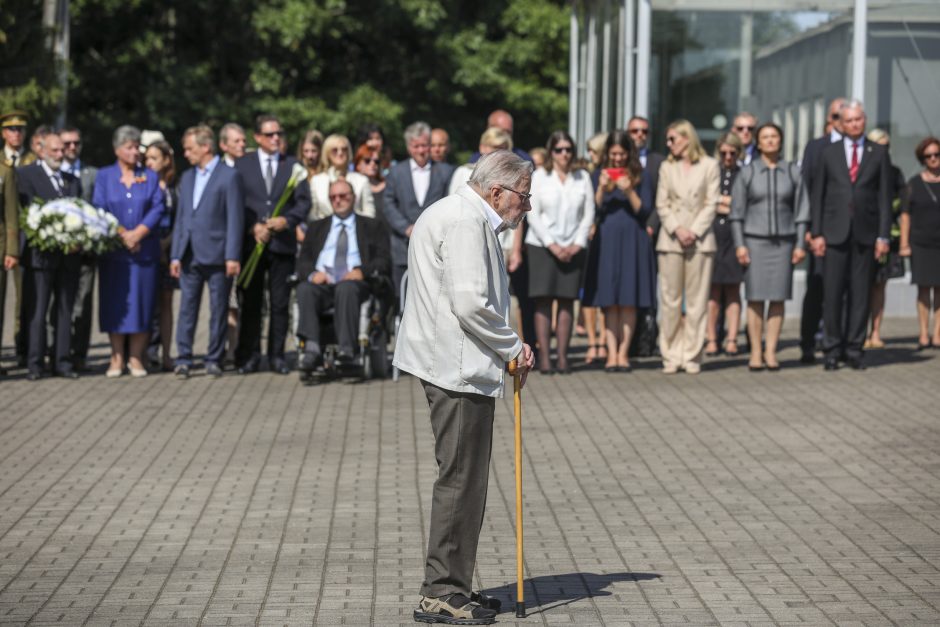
(551, 591)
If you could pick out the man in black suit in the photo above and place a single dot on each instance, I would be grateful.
(264, 175)
(813, 298)
(412, 186)
(48, 273)
(338, 257)
(851, 213)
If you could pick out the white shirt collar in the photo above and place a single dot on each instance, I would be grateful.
(491, 216)
(49, 171)
(417, 168)
(263, 157)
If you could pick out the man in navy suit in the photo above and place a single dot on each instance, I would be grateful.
(207, 246)
(264, 176)
(851, 224)
(48, 273)
(412, 186)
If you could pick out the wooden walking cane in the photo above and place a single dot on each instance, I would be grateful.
(517, 406)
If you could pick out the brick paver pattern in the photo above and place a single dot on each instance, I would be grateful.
(725, 498)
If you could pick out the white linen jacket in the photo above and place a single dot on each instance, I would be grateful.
(455, 330)
(561, 213)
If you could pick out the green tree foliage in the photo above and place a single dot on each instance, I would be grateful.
(326, 64)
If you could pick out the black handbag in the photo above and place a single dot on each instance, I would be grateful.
(646, 335)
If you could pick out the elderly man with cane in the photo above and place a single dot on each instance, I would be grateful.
(455, 337)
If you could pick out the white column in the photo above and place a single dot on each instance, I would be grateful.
(606, 75)
(628, 51)
(643, 39)
(859, 51)
(747, 61)
(590, 76)
(573, 77)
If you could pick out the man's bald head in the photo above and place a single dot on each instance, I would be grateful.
(500, 119)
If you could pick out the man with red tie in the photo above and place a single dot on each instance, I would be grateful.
(851, 222)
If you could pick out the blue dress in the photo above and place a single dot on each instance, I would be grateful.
(128, 283)
(621, 263)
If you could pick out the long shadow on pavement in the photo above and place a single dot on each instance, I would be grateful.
(553, 591)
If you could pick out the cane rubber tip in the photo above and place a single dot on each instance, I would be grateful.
(520, 609)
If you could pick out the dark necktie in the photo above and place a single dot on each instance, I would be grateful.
(269, 176)
(57, 182)
(14, 159)
(853, 168)
(339, 262)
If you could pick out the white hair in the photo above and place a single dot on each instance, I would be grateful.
(500, 167)
(416, 130)
(124, 134)
(852, 104)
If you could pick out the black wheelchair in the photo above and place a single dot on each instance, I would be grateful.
(371, 359)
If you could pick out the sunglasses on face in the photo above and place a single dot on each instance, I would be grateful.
(560, 149)
(15, 129)
(638, 131)
(834, 116)
(931, 155)
(74, 143)
(274, 134)
(375, 161)
(339, 196)
(745, 128)
(728, 153)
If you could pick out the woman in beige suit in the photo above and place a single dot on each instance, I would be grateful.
(686, 201)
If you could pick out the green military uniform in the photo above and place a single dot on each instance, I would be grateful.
(10, 157)
(9, 230)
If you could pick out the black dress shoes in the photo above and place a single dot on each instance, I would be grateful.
(856, 363)
(808, 358)
(251, 366)
(309, 362)
(67, 374)
(832, 363)
(279, 366)
(33, 375)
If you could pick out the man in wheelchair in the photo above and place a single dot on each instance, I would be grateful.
(344, 260)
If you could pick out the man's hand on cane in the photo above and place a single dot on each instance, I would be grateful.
(525, 361)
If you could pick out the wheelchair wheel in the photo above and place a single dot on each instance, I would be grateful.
(379, 355)
(367, 366)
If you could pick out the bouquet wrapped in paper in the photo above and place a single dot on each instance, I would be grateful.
(70, 225)
(298, 173)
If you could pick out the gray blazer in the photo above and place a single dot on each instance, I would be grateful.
(402, 208)
(769, 202)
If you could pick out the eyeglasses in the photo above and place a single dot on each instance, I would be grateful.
(931, 155)
(340, 196)
(834, 116)
(560, 149)
(638, 131)
(77, 142)
(15, 129)
(525, 197)
(338, 149)
(728, 153)
(745, 128)
(274, 134)
(375, 161)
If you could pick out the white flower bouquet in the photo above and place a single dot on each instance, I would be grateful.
(70, 225)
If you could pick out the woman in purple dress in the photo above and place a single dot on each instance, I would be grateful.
(130, 276)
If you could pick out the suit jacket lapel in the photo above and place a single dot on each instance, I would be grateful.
(435, 179)
(189, 188)
(280, 178)
(361, 241)
(866, 154)
(209, 184)
(411, 183)
(46, 189)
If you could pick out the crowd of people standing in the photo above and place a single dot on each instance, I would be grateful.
(630, 235)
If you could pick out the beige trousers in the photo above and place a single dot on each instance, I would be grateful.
(681, 340)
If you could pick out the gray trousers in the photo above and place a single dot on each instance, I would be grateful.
(463, 439)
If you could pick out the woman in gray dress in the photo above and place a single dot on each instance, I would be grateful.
(769, 218)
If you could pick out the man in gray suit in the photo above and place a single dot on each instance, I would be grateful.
(207, 246)
(81, 312)
(412, 186)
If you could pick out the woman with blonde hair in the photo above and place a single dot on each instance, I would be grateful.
(728, 273)
(334, 165)
(686, 202)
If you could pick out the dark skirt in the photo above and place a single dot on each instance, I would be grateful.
(622, 266)
(925, 266)
(550, 278)
(727, 269)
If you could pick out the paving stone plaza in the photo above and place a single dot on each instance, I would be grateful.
(725, 498)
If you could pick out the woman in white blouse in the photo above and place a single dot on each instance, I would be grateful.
(334, 164)
(559, 223)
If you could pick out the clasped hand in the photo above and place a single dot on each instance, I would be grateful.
(685, 236)
(564, 254)
(322, 278)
